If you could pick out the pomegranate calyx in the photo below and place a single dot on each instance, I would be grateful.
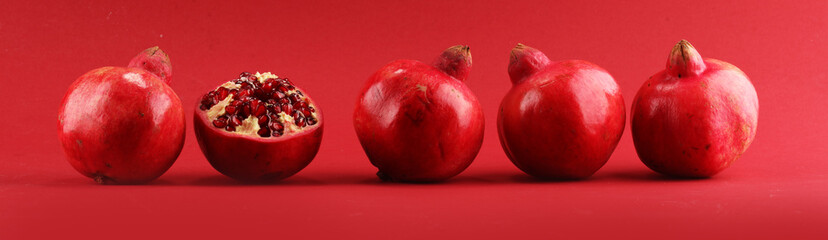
(155, 61)
(525, 61)
(455, 61)
(684, 60)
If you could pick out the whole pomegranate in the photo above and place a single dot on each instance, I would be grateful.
(419, 122)
(122, 125)
(258, 127)
(560, 120)
(694, 118)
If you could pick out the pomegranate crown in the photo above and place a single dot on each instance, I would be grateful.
(155, 61)
(525, 61)
(684, 60)
(455, 61)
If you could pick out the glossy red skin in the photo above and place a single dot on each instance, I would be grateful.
(256, 159)
(562, 122)
(694, 126)
(418, 124)
(121, 125)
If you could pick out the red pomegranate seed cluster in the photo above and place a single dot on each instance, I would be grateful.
(270, 101)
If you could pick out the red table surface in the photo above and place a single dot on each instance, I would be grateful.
(776, 190)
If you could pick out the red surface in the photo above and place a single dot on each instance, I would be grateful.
(777, 190)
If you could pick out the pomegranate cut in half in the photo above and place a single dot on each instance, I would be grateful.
(258, 128)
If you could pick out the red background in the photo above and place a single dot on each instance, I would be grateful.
(777, 189)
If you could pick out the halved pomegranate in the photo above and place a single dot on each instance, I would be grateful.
(258, 127)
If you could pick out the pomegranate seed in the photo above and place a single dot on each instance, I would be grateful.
(230, 128)
(274, 109)
(293, 98)
(311, 109)
(235, 121)
(267, 87)
(246, 85)
(258, 92)
(260, 111)
(245, 93)
(264, 132)
(306, 112)
(223, 92)
(220, 124)
(300, 104)
(203, 107)
(263, 120)
(271, 101)
(287, 81)
(215, 99)
(287, 108)
(291, 87)
(245, 74)
(276, 126)
(300, 121)
(235, 92)
(284, 101)
(245, 110)
(230, 109)
(253, 78)
(311, 121)
(206, 105)
(278, 95)
(277, 133)
(282, 89)
(254, 104)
